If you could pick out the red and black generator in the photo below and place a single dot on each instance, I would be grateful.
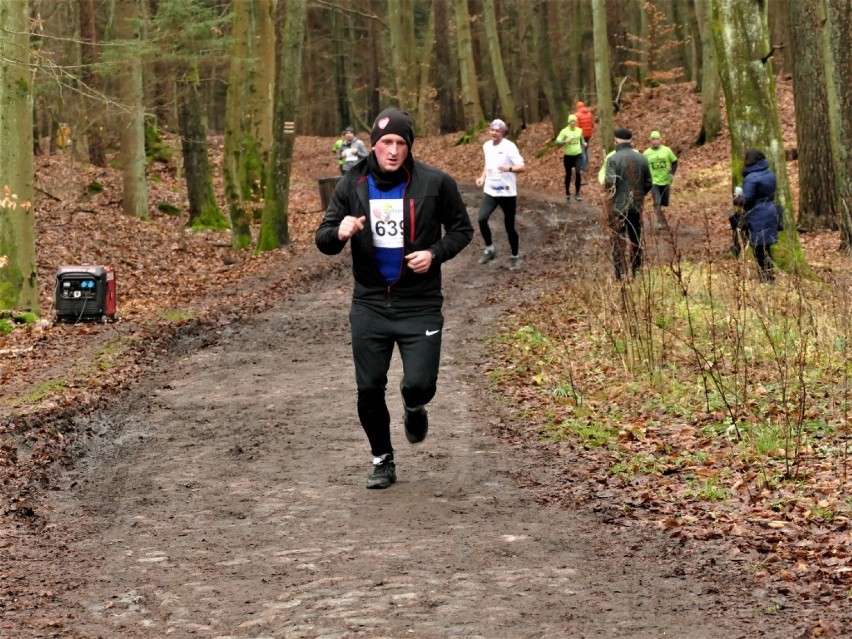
(85, 293)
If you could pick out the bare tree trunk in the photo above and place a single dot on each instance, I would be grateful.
(445, 72)
(290, 19)
(696, 41)
(467, 68)
(424, 116)
(338, 48)
(837, 44)
(18, 285)
(685, 50)
(551, 88)
(248, 114)
(711, 111)
(374, 98)
(400, 15)
(128, 17)
(204, 212)
(529, 69)
(504, 92)
(89, 51)
(603, 79)
(816, 166)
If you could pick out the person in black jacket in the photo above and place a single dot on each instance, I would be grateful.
(628, 178)
(392, 209)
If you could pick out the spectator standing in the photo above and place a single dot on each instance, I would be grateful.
(392, 210)
(350, 151)
(502, 162)
(663, 164)
(628, 178)
(571, 140)
(759, 209)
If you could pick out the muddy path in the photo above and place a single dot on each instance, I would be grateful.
(225, 497)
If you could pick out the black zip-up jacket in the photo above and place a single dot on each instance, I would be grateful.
(628, 174)
(431, 201)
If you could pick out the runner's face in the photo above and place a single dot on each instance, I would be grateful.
(391, 151)
(656, 142)
(496, 134)
(348, 136)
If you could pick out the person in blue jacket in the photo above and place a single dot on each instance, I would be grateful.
(759, 211)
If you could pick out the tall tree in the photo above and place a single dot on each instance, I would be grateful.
(810, 94)
(186, 30)
(528, 75)
(18, 286)
(403, 52)
(741, 35)
(204, 211)
(339, 47)
(837, 44)
(552, 89)
(425, 120)
(504, 92)
(446, 84)
(129, 18)
(696, 41)
(603, 78)
(711, 111)
(467, 68)
(290, 18)
(248, 117)
(90, 55)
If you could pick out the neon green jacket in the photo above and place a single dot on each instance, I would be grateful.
(571, 139)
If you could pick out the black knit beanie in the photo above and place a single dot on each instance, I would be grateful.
(393, 120)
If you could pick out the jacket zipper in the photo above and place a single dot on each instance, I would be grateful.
(389, 288)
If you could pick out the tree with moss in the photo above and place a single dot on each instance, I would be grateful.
(18, 289)
(248, 114)
(290, 19)
(189, 33)
(741, 36)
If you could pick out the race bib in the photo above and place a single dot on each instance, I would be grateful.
(386, 223)
(495, 179)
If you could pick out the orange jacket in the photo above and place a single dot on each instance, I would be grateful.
(585, 120)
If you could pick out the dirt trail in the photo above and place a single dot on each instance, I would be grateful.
(227, 499)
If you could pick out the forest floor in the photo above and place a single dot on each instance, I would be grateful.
(192, 471)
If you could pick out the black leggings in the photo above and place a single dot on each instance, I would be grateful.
(487, 207)
(572, 162)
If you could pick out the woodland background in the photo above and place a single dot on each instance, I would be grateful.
(156, 138)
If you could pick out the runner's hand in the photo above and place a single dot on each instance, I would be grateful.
(350, 226)
(419, 261)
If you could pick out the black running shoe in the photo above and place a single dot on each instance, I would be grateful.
(384, 472)
(416, 422)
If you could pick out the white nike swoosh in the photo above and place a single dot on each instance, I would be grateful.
(433, 332)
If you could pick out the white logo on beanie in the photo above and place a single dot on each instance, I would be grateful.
(383, 123)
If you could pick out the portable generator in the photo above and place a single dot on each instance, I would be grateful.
(85, 293)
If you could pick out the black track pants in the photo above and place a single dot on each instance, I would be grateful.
(375, 331)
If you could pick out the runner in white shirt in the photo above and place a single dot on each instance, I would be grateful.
(502, 163)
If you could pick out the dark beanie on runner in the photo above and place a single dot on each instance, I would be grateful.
(623, 134)
(393, 120)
